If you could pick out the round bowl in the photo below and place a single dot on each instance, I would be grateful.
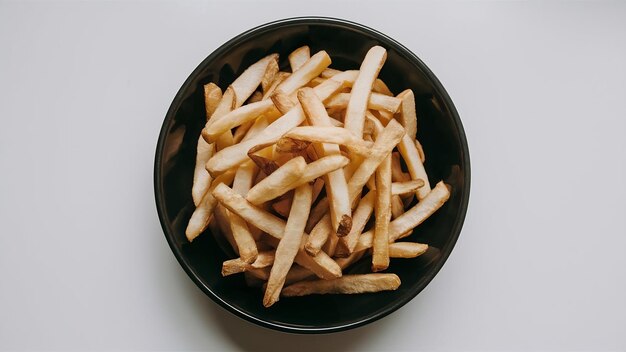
(439, 130)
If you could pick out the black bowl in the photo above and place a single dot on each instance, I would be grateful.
(439, 130)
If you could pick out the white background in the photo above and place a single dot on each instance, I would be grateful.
(541, 90)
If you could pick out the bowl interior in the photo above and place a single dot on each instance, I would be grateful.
(439, 131)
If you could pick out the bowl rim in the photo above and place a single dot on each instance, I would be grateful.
(386, 40)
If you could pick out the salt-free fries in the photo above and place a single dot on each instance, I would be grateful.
(309, 171)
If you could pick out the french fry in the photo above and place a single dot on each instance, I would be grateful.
(234, 155)
(201, 177)
(380, 245)
(378, 87)
(412, 217)
(298, 57)
(237, 265)
(376, 101)
(255, 97)
(225, 105)
(319, 235)
(241, 232)
(241, 131)
(310, 69)
(282, 102)
(397, 175)
(331, 244)
(271, 71)
(276, 184)
(414, 165)
(407, 249)
(405, 187)
(250, 79)
(362, 88)
(278, 78)
(336, 187)
(407, 115)
(289, 244)
(212, 97)
(237, 117)
(312, 171)
(204, 211)
(334, 135)
(360, 218)
(349, 284)
(315, 82)
(397, 206)
(322, 265)
(318, 211)
(385, 142)
(220, 218)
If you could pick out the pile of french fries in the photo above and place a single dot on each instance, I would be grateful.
(290, 167)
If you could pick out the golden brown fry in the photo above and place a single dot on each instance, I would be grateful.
(282, 102)
(242, 130)
(331, 244)
(380, 87)
(289, 244)
(351, 75)
(334, 135)
(362, 88)
(318, 211)
(315, 82)
(237, 117)
(276, 184)
(312, 171)
(412, 217)
(385, 142)
(405, 187)
(250, 79)
(397, 175)
(201, 177)
(298, 57)
(234, 155)
(212, 97)
(397, 207)
(380, 246)
(258, 125)
(414, 164)
(220, 218)
(309, 70)
(349, 284)
(241, 233)
(237, 265)
(407, 249)
(360, 218)
(376, 101)
(407, 115)
(336, 187)
(278, 78)
(269, 76)
(202, 215)
(319, 235)
(322, 265)
(225, 106)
